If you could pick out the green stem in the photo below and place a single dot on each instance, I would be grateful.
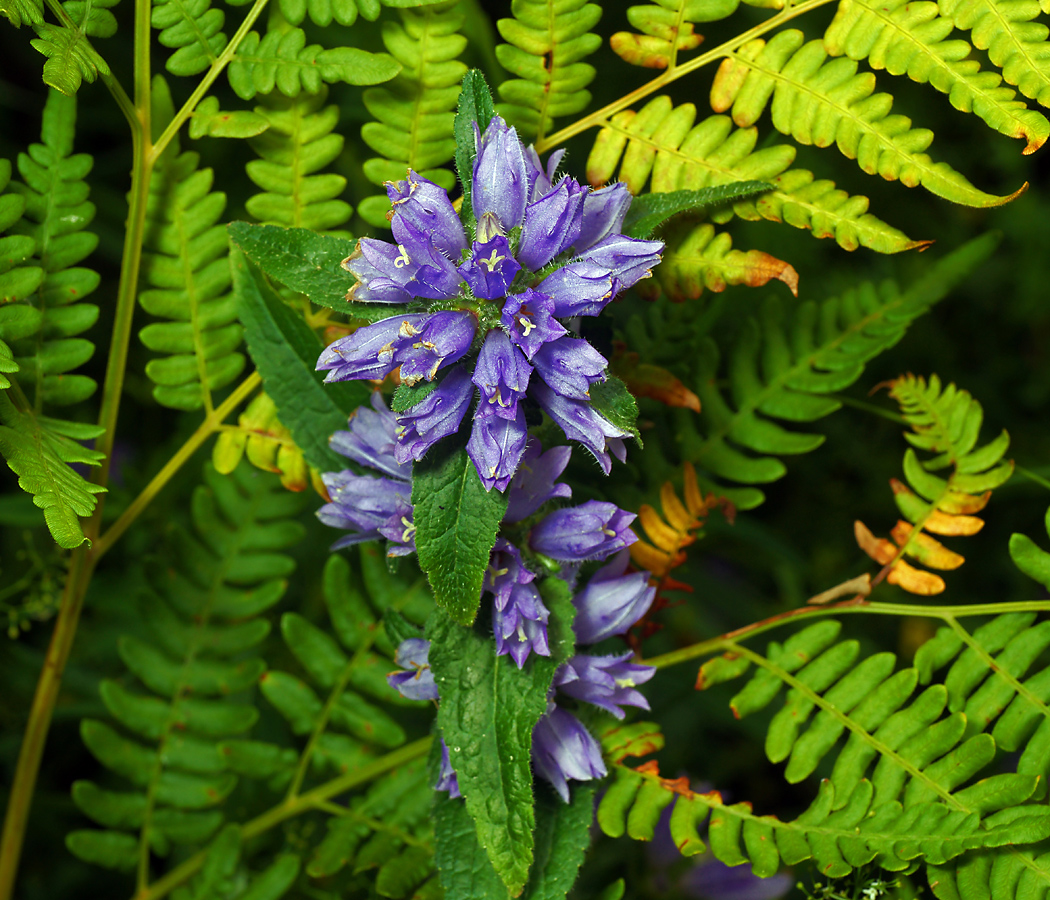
(209, 426)
(671, 75)
(289, 808)
(872, 408)
(945, 613)
(1032, 476)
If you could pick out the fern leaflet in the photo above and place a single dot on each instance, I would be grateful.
(661, 141)
(946, 422)
(545, 45)
(414, 114)
(202, 618)
(188, 272)
(193, 30)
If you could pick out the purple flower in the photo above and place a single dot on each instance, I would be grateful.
(371, 352)
(418, 682)
(371, 439)
(603, 213)
(379, 279)
(529, 321)
(628, 259)
(593, 530)
(426, 205)
(536, 481)
(496, 446)
(552, 224)
(502, 375)
(490, 268)
(582, 422)
(604, 681)
(562, 749)
(443, 339)
(431, 273)
(501, 181)
(436, 416)
(570, 366)
(447, 780)
(611, 602)
(581, 288)
(519, 617)
(540, 181)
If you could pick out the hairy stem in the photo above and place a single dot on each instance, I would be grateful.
(289, 808)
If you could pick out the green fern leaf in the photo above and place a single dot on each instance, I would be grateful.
(298, 144)
(911, 38)
(39, 450)
(17, 281)
(662, 141)
(200, 620)
(210, 121)
(282, 60)
(71, 60)
(666, 28)
(19, 12)
(1015, 42)
(786, 373)
(414, 115)
(825, 102)
(193, 30)
(545, 45)
(93, 17)
(187, 269)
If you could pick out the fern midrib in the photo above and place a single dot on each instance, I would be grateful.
(199, 35)
(672, 61)
(843, 719)
(200, 622)
(43, 240)
(421, 87)
(552, 22)
(949, 69)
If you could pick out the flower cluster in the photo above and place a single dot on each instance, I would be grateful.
(563, 749)
(494, 304)
(379, 506)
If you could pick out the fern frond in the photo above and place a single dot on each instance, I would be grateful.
(39, 450)
(666, 28)
(910, 38)
(1015, 42)
(19, 12)
(414, 114)
(210, 121)
(300, 141)
(187, 269)
(193, 30)
(696, 257)
(17, 280)
(268, 445)
(93, 17)
(662, 141)
(202, 619)
(946, 423)
(71, 59)
(786, 370)
(826, 102)
(545, 45)
(282, 60)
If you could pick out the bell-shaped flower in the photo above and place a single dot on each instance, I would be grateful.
(417, 683)
(443, 339)
(529, 320)
(496, 445)
(502, 376)
(426, 205)
(552, 224)
(380, 279)
(519, 616)
(501, 182)
(365, 505)
(432, 275)
(593, 530)
(373, 351)
(570, 366)
(603, 214)
(607, 682)
(562, 749)
(580, 288)
(611, 602)
(581, 422)
(540, 180)
(536, 481)
(628, 259)
(436, 416)
(371, 439)
(490, 268)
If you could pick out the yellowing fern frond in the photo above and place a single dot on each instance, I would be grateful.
(946, 422)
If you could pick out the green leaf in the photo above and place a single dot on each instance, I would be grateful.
(649, 211)
(611, 399)
(111, 849)
(475, 106)
(40, 455)
(210, 121)
(463, 867)
(300, 259)
(70, 58)
(285, 351)
(456, 522)
(406, 396)
(274, 882)
(563, 833)
(17, 12)
(488, 710)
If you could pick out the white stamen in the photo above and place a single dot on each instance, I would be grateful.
(527, 325)
(403, 259)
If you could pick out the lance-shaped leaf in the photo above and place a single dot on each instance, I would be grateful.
(475, 108)
(456, 522)
(649, 211)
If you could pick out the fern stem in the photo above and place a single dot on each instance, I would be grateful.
(290, 808)
(1032, 476)
(670, 75)
(211, 424)
(23, 783)
(334, 809)
(872, 408)
(946, 613)
(206, 82)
